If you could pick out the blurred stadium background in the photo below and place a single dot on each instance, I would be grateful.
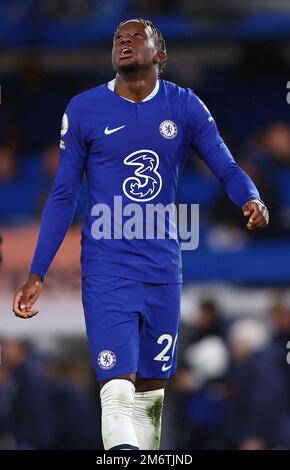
(232, 390)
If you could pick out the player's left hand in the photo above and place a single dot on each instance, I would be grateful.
(258, 214)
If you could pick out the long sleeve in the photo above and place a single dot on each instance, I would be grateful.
(57, 217)
(60, 207)
(211, 148)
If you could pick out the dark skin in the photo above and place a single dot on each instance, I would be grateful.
(1, 259)
(137, 71)
(258, 214)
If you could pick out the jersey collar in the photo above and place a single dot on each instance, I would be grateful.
(111, 86)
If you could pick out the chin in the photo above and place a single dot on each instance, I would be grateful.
(128, 67)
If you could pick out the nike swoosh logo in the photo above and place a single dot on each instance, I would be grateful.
(165, 367)
(110, 131)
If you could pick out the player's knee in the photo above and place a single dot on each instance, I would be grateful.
(117, 395)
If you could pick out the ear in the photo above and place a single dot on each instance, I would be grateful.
(159, 57)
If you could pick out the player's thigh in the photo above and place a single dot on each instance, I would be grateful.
(112, 324)
(159, 331)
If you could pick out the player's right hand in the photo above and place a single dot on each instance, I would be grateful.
(26, 296)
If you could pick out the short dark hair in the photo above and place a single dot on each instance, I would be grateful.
(156, 32)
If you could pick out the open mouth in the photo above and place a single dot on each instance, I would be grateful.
(126, 52)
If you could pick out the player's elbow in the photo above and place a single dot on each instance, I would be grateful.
(231, 170)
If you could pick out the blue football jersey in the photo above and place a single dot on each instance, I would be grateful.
(132, 154)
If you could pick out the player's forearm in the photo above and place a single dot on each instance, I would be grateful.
(55, 223)
(239, 186)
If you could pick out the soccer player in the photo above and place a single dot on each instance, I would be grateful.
(130, 137)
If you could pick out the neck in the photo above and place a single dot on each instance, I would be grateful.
(135, 87)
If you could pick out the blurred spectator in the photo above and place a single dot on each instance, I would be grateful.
(276, 142)
(8, 164)
(199, 396)
(76, 409)
(257, 415)
(50, 161)
(7, 392)
(30, 418)
(280, 327)
(247, 337)
(46, 404)
(270, 150)
(207, 321)
(199, 381)
(207, 360)
(280, 324)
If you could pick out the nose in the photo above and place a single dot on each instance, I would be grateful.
(126, 40)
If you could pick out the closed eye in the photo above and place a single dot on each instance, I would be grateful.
(119, 36)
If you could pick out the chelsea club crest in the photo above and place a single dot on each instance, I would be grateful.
(107, 359)
(168, 129)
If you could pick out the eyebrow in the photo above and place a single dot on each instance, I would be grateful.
(142, 31)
